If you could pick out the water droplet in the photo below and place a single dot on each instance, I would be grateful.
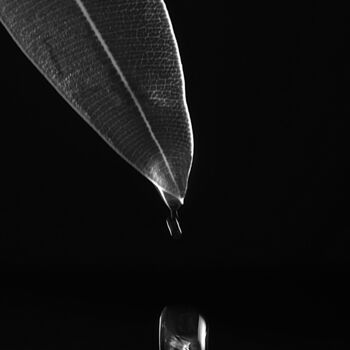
(173, 224)
(182, 328)
(173, 203)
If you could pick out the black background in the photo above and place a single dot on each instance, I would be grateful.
(85, 256)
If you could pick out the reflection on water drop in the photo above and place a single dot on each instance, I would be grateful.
(182, 329)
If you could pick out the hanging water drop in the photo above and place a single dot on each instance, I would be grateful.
(174, 204)
(173, 224)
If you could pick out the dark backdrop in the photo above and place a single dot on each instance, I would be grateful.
(85, 256)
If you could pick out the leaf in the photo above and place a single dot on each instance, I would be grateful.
(116, 62)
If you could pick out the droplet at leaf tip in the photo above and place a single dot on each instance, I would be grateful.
(174, 227)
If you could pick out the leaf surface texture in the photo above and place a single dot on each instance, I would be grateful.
(116, 62)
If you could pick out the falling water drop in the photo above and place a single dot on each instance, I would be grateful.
(182, 328)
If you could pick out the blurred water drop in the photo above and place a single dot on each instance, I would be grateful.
(173, 225)
(173, 203)
(182, 328)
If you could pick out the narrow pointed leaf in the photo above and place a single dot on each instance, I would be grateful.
(116, 62)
